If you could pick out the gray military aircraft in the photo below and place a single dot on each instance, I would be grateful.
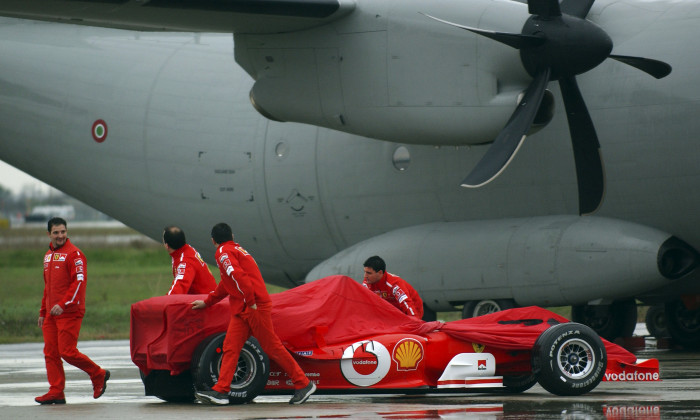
(327, 131)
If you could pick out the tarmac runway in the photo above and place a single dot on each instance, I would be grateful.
(22, 377)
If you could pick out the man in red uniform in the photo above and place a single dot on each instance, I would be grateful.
(191, 274)
(251, 314)
(61, 313)
(392, 288)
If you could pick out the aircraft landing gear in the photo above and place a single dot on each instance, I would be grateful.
(656, 321)
(474, 308)
(683, 324)
(609, 321)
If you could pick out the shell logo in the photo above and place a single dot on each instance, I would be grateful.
(407, 354)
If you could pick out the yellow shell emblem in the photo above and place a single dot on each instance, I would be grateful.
(407, 354)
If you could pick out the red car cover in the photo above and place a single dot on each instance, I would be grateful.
(165, 330)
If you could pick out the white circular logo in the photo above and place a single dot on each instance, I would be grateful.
(365, 363)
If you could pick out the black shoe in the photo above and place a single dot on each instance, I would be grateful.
(212, 397)
(301, 395)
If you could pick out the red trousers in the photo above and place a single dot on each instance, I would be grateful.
(258, 323)
(60, 342)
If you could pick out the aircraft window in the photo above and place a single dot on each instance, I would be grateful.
(401, 158)
(281, 150)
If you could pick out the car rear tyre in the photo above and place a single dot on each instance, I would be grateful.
(161, 384)
(251, 373)
(518, 384)
(569, 359)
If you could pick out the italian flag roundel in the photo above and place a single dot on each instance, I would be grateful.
(99, 131)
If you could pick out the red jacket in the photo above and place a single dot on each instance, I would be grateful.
(399, 293)
(65, 278)
(191, 274)
(240, 279)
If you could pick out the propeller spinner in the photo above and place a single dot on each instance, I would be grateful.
(557, 43)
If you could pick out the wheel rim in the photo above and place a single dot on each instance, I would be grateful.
(576, 358)
(688, 320)
(597, 322)
(486, 307)
(245, 370)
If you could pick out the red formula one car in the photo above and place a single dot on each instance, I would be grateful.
(347, 339)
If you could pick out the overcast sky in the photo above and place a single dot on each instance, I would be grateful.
(15, 180)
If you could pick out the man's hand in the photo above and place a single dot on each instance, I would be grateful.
(198, 304)
(56, 310)
(40, 322)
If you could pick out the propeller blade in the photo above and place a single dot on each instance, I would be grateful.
(656, 68)
(517, 41)
(584, 140)
(578, 8)
(509, 140)
(544, 8)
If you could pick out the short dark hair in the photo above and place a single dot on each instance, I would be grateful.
(174, 237)
(55, 221)
(375, 263)
(221, 232)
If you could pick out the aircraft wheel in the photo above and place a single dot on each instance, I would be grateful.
(475, 308)
(569, 359)
(656, 321)
(683, 324)
(251, 373)
(429, 314)
(609, 321)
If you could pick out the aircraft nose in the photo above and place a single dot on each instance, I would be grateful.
(676, 258)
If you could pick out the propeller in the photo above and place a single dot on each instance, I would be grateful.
(557, 43)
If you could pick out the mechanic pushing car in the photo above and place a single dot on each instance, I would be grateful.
(391, 287)
(191, 274)
(251, 308)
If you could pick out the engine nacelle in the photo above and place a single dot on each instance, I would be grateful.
(545, 261)
(388, 72)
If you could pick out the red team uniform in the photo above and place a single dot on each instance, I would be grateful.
(191, 274)
(65, 278)
(242, 282)
(399, 293)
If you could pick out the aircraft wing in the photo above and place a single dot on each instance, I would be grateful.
(240, 16)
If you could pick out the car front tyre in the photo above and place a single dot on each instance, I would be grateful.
(569, 359)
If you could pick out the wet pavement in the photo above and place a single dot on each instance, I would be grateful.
(22, 377)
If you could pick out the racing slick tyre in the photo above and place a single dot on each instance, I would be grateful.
(474, 308)
(518, 384)
(569, 359)
(161, 384)
(251, 373)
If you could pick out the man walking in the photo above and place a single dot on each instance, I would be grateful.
(61, 314)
